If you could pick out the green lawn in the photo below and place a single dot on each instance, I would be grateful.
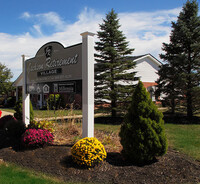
(184, 138)
(107, 128)
(10, 174)
(57, 113)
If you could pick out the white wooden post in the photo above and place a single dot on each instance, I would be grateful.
(88, 84)
(26, 97)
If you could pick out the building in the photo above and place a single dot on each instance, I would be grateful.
(147, 67)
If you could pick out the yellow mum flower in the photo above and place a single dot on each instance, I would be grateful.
(88, 152)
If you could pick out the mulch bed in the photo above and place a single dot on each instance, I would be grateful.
(174, 167)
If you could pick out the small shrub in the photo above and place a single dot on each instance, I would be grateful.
(53, 101)
(37, 138)
(142, 134)
(19, 114)
(44, 124)
(15, 128)
(4, 140)
(31, 112)
(88, 152)
(18, 109)
(5, 119)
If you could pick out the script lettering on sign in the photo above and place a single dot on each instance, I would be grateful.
(54, 63)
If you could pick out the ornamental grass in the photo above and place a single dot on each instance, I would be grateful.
(88, 152)
(43, 124)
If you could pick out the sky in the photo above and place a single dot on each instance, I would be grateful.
(26, 25)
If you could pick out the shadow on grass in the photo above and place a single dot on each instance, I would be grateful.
(180, 119)
(177, 118)
(109, 120)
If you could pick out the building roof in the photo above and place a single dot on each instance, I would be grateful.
(135, 58)
(18, 81)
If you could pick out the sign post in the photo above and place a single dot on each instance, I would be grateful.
(88, 84)
(25, 96)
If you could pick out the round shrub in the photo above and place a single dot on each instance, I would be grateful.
(37, 138)
(142, 133)
(88, 152)
(4, 140)
(15, 128)
(5, 119)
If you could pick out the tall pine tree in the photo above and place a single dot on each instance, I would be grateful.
(182, 55)
(168, 85)
(111, 78)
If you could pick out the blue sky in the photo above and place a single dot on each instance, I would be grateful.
(28, 24)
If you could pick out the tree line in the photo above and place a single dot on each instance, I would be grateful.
(179, 76)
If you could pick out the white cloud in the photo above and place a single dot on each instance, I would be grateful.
(26, 15)
(145, 31)
(45, 19)
(38, 30)
(52, 19)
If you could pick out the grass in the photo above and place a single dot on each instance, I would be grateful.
(49, 113)
(11, 174)
(56, 113)
(107, 128)
(184, 138)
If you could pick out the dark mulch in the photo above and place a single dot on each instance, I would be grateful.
(174, 167)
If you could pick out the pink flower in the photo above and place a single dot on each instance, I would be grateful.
(37, 137)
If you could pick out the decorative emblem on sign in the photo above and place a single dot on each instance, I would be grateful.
(45, 88)
(38, 89)
(48, 52)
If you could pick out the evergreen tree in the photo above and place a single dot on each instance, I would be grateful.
(19, 112)
(112, 64)
(168, 86)
(142, 133)
(182, 55)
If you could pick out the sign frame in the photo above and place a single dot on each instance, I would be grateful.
(87, 76)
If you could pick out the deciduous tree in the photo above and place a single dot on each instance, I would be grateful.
(5, 83)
